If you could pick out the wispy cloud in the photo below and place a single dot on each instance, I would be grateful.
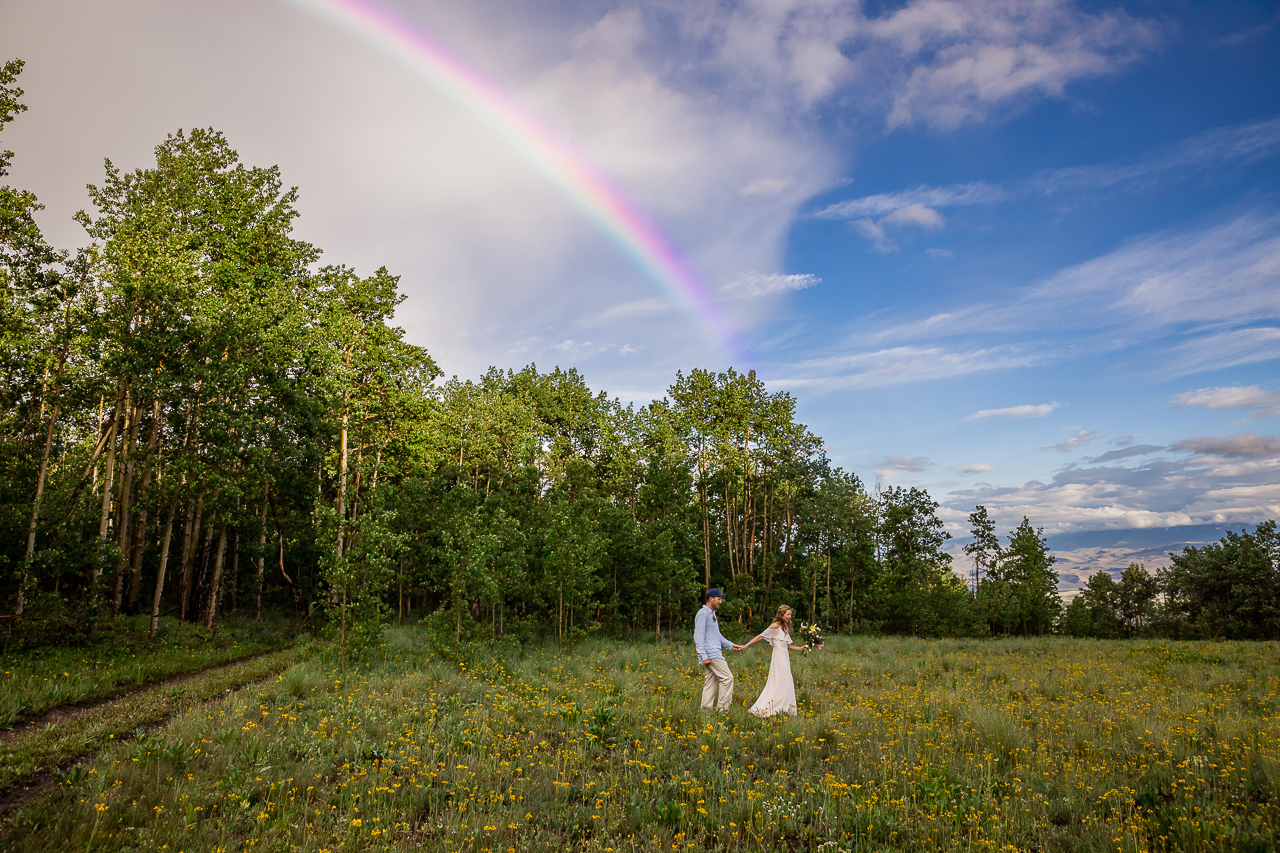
(631, 309)
(1236, 38)
(1220, 350)
(566, 349)
(896, 366)
(1216, 286)
(1038, 410)
(757, 284)
(960, 195)
(1262, 404)
(978, 468)
(1082, 438)
(1181, 162)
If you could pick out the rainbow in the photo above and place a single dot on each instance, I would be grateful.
(542, 148)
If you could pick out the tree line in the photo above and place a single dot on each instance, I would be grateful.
(199, 416)
(1228, 589)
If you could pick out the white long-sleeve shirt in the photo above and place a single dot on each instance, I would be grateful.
(707, 638)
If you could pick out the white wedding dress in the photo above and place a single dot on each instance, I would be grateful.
(779, 692)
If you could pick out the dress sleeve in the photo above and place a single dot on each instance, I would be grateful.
(771, 633)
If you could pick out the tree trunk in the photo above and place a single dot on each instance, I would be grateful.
(140, 535)
(342, 480)
(706, 521)
(233, 581)
(355, 492)
(748, 510)
(108, 475)
(206, 553)
(190, 536)
(728, 533)
(124, 511)
(90, 474)
(35, 512)
(262, 558)
(216, 581)
(164, 564)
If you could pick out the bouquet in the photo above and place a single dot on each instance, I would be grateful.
(811, 636)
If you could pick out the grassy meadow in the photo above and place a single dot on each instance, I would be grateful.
(900, 744)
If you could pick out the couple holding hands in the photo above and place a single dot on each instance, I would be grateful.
(779, 692)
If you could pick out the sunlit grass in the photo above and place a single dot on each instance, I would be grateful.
(900, 744)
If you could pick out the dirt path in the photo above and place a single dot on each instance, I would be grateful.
(40, 750)
(73, 709)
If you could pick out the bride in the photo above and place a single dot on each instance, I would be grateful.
(779, 692)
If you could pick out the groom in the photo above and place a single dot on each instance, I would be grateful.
(709, 642)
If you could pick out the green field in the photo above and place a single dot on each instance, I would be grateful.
(900, 744)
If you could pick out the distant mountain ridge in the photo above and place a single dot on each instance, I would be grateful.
(1147, 538)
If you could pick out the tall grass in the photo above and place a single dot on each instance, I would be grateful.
(900, 744)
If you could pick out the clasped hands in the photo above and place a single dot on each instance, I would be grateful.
(736, 648)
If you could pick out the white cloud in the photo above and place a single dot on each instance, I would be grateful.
(978, 468)
(1038, 410)
(758, 284)
(1081, 439)
(938, 253)
(1263, 404)
(987, 54)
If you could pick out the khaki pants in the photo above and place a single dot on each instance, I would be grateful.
(717, 674)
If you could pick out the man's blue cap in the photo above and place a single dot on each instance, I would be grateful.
(714, 593)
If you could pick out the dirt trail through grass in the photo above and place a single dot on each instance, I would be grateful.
(32, 755)
(70, 710)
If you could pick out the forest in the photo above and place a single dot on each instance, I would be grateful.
(198, 417)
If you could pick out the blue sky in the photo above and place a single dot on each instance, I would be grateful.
(1023, 254)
